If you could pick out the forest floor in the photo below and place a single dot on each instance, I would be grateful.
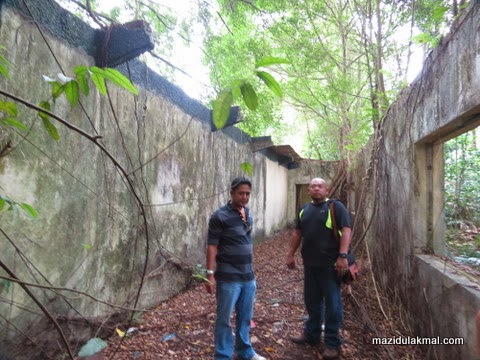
(182, 327)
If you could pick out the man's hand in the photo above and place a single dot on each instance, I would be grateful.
(342, 266)
(290, 261)
(210, 284)
(294, 244)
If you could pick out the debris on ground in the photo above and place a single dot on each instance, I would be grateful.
(182, 327)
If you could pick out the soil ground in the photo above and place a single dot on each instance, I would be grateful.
(181, 328)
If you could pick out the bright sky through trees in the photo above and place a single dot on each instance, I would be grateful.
(185, 57)
(189, 57)
(179, 52)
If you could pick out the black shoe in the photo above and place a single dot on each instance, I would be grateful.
(302, 340)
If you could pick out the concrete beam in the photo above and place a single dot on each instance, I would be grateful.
(124, 42)
(261, 142)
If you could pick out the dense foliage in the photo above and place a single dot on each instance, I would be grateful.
(347, 59)
(462, 166)
(462, 198)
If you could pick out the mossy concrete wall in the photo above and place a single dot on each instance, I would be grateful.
(90, 235)
(403, 198)
(157, 160)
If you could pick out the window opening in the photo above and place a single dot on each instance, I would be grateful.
(462, 198)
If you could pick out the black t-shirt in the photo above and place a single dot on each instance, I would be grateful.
(319, 245)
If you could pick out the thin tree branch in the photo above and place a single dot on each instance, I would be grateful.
(55, 288)
(40, 305)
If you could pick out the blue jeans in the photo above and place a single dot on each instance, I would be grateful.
(324, 305)
(239, 296)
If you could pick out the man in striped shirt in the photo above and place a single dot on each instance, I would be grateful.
(230, 252)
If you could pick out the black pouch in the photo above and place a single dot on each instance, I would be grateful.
(352, 272)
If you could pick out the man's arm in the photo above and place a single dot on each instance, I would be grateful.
(211, 254)
(342, 263)
(345, 239)
(294, 244)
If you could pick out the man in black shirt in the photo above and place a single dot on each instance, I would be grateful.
(324, 261)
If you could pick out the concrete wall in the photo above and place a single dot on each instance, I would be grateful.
(276, 198)
(307, 170)
(405, 192)
(90, 235)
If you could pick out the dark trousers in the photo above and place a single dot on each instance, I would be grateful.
(324, 305)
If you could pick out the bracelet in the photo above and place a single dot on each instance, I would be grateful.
(210, 272)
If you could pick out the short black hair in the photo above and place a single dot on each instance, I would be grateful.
(240, 181)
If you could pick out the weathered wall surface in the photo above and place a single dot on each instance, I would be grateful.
(405, 193)
(90, 234)
(276, 197)
(308, 170)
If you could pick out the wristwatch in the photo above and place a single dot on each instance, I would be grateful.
(343, 255)
(210, 272)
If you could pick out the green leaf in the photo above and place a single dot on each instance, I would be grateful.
(72, 92)
(270, 81)
(4, 71)
(236, 87)
(438, 13)
(7, 201)
(271, 60)
(29, 210)
(423, 38)
(4, 64)
(14, 123)
(82, 72)
(92, 347)
(247, 168)
(249, 96)
(98, 79)
(57, 89)
(2, 203)
(99, 75)
(51, 129)
(44, 105)
(9, 107)
(221, 109)
(119, 79)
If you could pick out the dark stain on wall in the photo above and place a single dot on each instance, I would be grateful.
(62, 24)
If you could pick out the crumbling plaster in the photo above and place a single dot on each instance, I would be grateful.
(83, 201)
(406, 234)
(90, 234)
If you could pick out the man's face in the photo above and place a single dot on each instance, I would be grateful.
(317, 189)
(240, 195)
